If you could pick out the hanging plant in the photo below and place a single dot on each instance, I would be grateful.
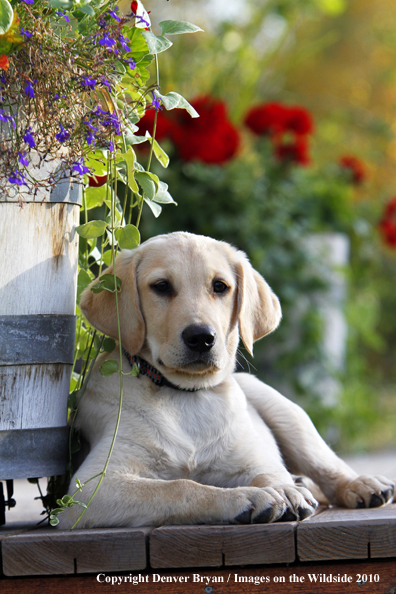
(75, 80)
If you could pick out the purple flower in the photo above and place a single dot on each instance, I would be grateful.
(112, 121)
(107, 119)
(62, 13)
(90, 138)
(80, 168)
(142, 20)
(106, 40)
(156, 104)
(26, 33)
(114, 15)
(17, 178)
(124, 44)
(111, 147)
(63, 135)
(6, 118)
(22, 159)
(29, 91)
(88, 82)
(131, 63)
(29, 138)
(106, 83)
(28, 1)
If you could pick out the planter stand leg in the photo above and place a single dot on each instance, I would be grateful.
(10, 501)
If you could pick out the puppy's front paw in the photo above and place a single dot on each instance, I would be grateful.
(300, 503)
(286, 503)
(366, 491)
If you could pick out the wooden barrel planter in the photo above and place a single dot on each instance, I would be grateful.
(37, 327)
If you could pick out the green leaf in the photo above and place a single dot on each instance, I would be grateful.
(66, 499)
(133, 139)
(134, 372)
(128, 237)
(83, 280)
(6, 16)
(163, 196)
(173, 100)
(161, 155)
(78, 484)
(156, 45)
(65, 4)
(57, 510)
(129, 159)
(149, 183)
(106, 283)
(87, 9)
(109, 367)
(138, 44)
(94, 196)
(71, 401)
(119, 67)
(178, 27)
(97, 342)
(109, 345)
(92, 229)
(54, 521)
(107, 257)
(97, 162)
(155, 208)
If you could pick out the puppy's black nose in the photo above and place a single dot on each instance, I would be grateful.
(199, 338)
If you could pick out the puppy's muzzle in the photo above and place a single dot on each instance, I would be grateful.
(199, 338)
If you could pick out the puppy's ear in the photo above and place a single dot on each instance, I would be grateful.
(100, 308)
(259, 311)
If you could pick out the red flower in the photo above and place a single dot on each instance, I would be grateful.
(134, 6)
(388, 224)
(355, 168)
(294, 152)
(299, 120)
(147, 124)
(268, 118)
(211, 138)
(97, 181)
(276, 119)
(4, 63)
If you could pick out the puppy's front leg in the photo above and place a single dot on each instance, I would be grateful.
(128, 500)
(306, 453)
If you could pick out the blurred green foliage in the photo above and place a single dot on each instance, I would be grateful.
(336, 58)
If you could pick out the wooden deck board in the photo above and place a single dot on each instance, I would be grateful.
(330, 535)
(214, 546)
(51, 552)
(338, 534)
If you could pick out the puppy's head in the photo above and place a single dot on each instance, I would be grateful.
(184, 301)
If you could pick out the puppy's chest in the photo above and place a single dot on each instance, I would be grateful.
(189, 432)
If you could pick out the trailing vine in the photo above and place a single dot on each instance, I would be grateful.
(74, 82)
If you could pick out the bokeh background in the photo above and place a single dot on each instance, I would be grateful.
(304, 184)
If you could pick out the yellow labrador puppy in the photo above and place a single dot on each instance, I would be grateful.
(198, 443)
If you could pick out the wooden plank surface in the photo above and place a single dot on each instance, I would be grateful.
(348, 534)
(213, 546)
(330, 535)
(48, 551)
(276, 580)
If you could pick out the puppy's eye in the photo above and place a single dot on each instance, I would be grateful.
(219, 287)
(162, 287)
